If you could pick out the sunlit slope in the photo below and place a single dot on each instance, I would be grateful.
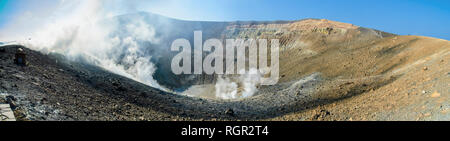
(415, 69)
(371, 75)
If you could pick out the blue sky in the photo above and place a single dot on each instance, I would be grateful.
(415, 17)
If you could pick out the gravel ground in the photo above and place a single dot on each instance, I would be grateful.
(329, 71)
(52, 88)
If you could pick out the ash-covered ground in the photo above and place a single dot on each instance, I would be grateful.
(53, 88)
(328, 71)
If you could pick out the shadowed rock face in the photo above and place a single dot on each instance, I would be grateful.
(328, 71)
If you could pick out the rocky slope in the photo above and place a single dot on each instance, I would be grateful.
(328, 71)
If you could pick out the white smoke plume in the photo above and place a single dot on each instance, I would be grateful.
(80, 34)
(87, 31)
(241, 87)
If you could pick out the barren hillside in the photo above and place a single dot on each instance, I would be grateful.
(328, 71)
